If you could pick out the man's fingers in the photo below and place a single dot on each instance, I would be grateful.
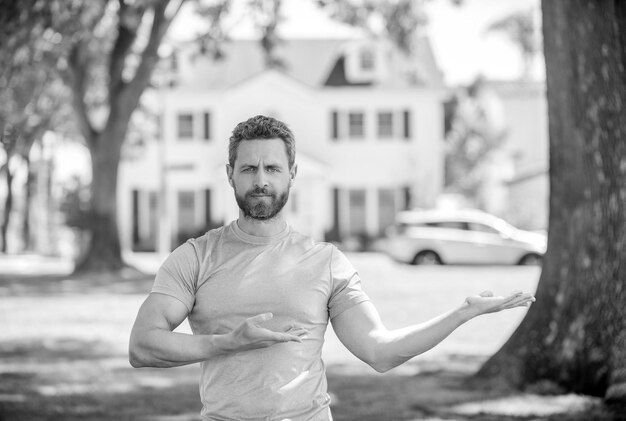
(284, 337)
(259, 318)
(524, 300)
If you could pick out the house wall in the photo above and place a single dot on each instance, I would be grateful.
(325, 164)
(526, 113)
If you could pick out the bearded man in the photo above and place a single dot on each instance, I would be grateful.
(259, 296)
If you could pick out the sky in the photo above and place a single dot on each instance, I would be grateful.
(462, 46)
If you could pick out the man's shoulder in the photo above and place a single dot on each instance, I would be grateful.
(309, 242)
(207, 240)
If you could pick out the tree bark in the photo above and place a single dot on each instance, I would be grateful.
(574, 335)
(28, 199)
(8, 207)
(104, 252)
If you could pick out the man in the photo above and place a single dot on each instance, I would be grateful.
(259, 297)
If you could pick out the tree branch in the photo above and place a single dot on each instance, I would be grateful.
(129, 19)
(78, 65)
(149, 56)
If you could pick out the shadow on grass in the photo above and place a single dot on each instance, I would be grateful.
(126, 281)
(70, 379)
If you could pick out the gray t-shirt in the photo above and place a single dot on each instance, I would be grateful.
(226, 276)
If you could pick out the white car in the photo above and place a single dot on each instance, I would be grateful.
(461, 237)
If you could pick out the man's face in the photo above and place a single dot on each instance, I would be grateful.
(261, 178)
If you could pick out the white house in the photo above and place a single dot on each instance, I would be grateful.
(368, 122)
(525, 110)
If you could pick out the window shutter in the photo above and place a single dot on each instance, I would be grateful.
(406, 118)
(207, 125)
(334, 129)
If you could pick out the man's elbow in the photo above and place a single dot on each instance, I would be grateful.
(135, 360)
(137, 355)
(379, 361)
(381, 366)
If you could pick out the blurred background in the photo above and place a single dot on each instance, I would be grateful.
(395, 106)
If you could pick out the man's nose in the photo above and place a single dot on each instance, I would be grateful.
(260, 179)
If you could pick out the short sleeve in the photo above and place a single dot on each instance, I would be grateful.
(346, 285)
(178, 275)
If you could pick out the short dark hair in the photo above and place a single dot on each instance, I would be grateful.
(261, 127)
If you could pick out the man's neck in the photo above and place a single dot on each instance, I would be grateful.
(261, 228)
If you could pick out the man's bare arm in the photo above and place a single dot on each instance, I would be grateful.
(361, 330)
(154, 344)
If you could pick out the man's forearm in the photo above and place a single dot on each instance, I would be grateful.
(162, 348)
(395, 347)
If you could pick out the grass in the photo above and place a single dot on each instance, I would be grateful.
(63, 356)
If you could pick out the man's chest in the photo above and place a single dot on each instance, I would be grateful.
(296, 290)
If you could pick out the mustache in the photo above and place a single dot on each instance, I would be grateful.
(259, 190)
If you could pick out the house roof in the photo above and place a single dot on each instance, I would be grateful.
(314, 62)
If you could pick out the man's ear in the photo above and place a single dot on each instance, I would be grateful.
(229, 174)
(292, 174)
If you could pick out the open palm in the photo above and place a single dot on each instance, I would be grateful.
(486, 302)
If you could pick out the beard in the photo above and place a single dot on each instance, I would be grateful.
(261, 203)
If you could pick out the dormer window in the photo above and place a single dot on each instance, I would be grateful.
(363, 64)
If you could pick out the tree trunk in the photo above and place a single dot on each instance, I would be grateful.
(8, 207)
(104, 253)
(28, 198)
(574, 335)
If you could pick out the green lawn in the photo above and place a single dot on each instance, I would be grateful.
(63, 352)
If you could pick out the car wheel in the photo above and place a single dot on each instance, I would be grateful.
(427, 258)
(531, 260)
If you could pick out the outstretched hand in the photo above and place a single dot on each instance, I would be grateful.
(486, 302)
(251, 335)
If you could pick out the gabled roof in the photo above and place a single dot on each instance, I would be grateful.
(314, 62)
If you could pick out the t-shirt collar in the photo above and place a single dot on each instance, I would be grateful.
(253, 239)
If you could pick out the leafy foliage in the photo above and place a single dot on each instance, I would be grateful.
(399, 20)
(472, 133)
(522, 30)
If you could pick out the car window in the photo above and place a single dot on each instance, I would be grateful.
(482, 228)
(459, 225)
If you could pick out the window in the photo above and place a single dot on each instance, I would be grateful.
(386, 208)
(144, 220)
(357, 212)
(366, 59)
(473, 226)
(293, 202)
(207, 126)
(385, 125)
(185, 126)
(208, 217)
(356, 125)
(186, 213)
(457, 225)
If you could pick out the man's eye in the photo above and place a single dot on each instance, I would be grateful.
(273, 170)
(248, 169)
